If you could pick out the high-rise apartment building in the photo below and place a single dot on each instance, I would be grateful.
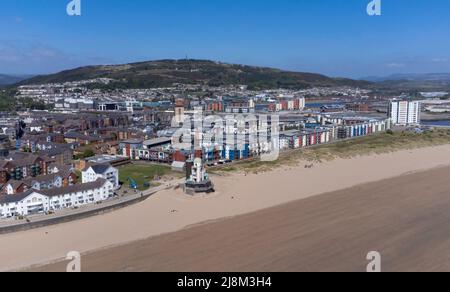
(404, 112)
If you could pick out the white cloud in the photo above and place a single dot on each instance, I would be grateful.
(395, 65)
(440, 60)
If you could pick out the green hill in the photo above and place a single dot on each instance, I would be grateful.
(165, 73)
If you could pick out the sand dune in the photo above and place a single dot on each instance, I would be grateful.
(237, 194)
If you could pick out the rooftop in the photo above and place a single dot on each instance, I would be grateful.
(157, 141)
(102, 159)
(74, 188)
(132, 141)
(5, 199)
(100, 168)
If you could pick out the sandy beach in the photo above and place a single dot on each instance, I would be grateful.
(237, 194)
(405, 219)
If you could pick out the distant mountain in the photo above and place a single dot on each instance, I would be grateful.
(164, 73)
(410, 77)
(432, 81)
(12, 79)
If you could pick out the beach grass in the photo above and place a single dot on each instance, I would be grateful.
(142, 174)
(374, 144)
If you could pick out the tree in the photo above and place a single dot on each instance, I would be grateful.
(88, 153)
(7, 99)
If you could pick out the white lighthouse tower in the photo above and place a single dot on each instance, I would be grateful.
(197, 179)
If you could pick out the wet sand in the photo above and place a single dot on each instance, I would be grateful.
(406, 219)
(237, 194)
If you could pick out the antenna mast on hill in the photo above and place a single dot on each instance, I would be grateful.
(188, 63)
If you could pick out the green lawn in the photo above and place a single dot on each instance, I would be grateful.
(141, 174)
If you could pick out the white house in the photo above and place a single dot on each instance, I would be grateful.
(105, 171)
(35, 202)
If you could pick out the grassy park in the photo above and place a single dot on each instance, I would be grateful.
(142, 174)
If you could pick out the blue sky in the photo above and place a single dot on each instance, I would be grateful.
(333, 37)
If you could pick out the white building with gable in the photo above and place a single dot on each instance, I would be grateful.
(105, 171)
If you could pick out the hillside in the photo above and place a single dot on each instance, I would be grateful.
(165, 73)
(10, 79)
(7, 100)
(411, 77)
(10, 103)
(429, 82)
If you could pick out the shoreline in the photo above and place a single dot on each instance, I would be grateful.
(237, 195)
